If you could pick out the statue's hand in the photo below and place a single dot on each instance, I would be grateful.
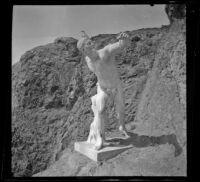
(123, 36)
(84, 35)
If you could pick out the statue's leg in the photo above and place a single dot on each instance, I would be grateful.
(93, 133)
(120, 109)
(97, 133)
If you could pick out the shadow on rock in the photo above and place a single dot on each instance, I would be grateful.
(145, 141)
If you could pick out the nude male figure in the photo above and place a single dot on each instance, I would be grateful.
(102, 63)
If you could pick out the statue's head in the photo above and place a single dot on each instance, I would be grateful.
(85, 44)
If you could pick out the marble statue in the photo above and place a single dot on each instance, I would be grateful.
(102, 63)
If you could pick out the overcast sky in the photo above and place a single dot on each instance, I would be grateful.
(39, 25)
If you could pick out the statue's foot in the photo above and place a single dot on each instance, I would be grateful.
(97, 147)
(124, 131)
(98, 144)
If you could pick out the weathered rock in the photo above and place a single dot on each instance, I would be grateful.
(147, 161)
(46, 84)
(175, 11)
(162, 108)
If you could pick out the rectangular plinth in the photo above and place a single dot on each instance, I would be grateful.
(99, 155)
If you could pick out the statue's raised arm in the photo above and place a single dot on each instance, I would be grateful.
(87, 47)
(82, 41)
(124, 40)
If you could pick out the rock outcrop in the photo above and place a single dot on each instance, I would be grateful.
(175, 11)
(51, 106)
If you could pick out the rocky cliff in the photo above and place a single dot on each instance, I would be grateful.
(51, 106)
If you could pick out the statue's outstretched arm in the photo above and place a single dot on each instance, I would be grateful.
(124, 40)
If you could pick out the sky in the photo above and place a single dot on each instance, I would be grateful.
(38, 25)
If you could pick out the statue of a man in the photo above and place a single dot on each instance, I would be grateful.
(102, 63)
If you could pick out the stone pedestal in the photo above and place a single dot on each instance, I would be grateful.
(105, 153)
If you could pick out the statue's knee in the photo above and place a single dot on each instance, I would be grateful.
(101, 103)
(94, 107)
(93, 99)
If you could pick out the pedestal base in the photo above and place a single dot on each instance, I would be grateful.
(99, 155)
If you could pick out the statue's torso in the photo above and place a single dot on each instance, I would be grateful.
(105, 70)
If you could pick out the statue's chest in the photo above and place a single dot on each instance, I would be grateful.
(100, 66)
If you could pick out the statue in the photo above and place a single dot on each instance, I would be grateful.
(102, 63)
